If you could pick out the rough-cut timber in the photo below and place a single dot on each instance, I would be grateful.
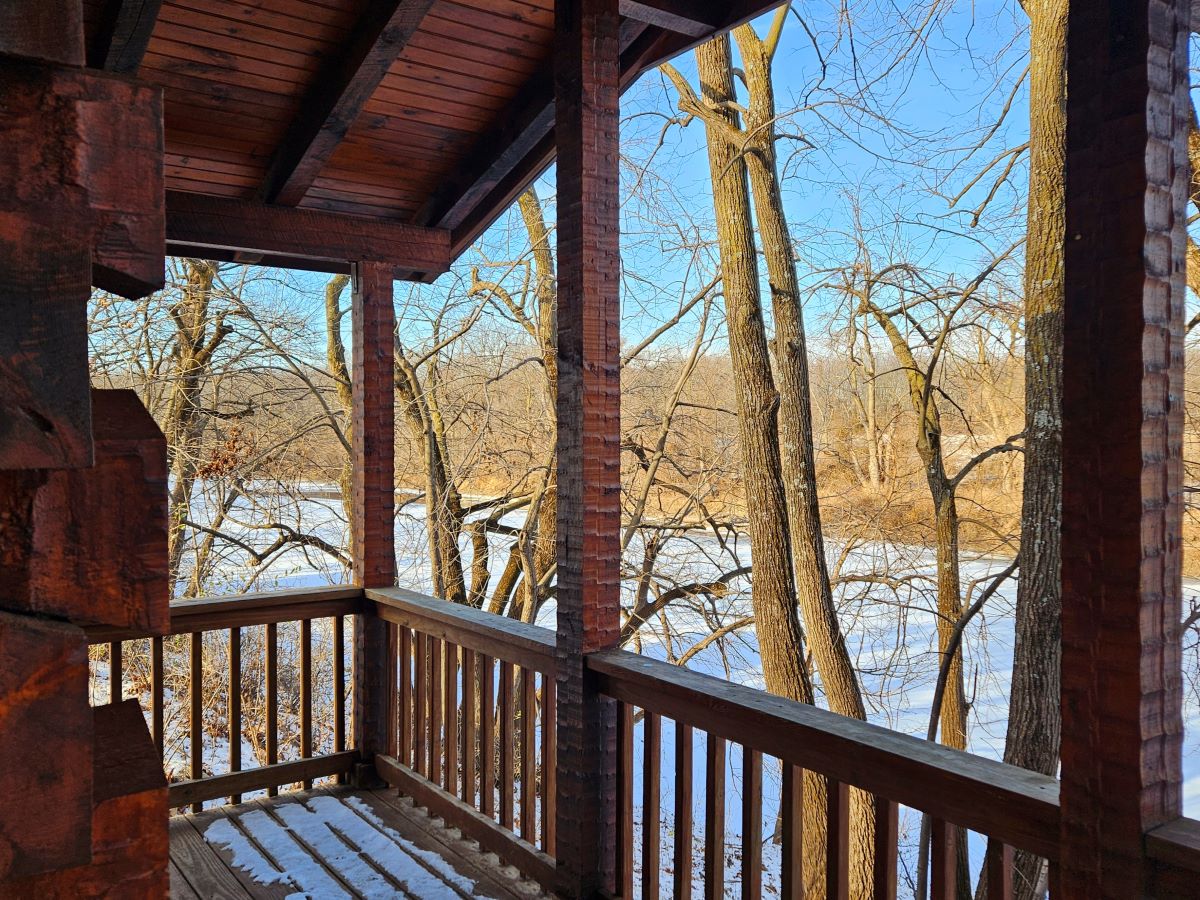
(586, 87)
(373, 540)
(46, 751)
(121, 39)
(47, 30)
(1127, 117)
(98, 549)
(80, 168)
(129, 819)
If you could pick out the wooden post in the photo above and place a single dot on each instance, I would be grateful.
(589, 477)
(1126, 176)
(372, 540)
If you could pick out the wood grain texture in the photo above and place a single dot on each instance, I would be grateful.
(46, 755)
(46, 30)
(1127, 120)
(123, 34)
(586, 88)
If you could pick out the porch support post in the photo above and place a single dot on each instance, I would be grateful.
(372, 541)
(1126, 193)
(587, 69)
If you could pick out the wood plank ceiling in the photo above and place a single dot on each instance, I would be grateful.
(432, 113)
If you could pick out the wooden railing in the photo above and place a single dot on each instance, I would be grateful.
(231, 616)
(476, 736)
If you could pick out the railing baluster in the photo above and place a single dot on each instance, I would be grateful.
(235, 705)
(306, 721)
(404, 656)
(837, 841)
(624, 848)
(714, 819)
(339, 688)
(157, 698)
(998, 870)
(791, 814)
(506, 744)
(421, 710)
(887, 832)
(751, 823)
(528, 755)
(683, 810)
(195, 719)
(272, 699)
(549, 761)
(115, 674)
(487, 736)
(450, 781)
(435, 710)
(469, 674)
(651, 812)
(942, 861)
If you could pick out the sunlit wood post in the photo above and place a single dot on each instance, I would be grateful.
(589, 478)
(1126, 189)
(373, 542)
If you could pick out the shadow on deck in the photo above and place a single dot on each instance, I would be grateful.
(332, 843)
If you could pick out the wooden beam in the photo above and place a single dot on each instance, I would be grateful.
(200, 224)
(373, 539)
(338, 96)
(122, 35)
(46, 30)
(1123, 353)
(688, 17)
(587, 90)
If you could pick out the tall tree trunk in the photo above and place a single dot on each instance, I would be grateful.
(798, 458)
(1034, 724)
(780, 640)
(335, 355)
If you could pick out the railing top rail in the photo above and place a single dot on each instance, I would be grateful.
(498, 636)
(246, 610)
(1014, 805)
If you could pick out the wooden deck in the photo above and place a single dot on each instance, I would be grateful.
(331, 843)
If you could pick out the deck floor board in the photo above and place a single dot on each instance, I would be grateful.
(331, 842)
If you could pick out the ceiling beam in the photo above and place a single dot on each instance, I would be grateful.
(123, 34)
(338, 95)
(681, 16)
(245, 231)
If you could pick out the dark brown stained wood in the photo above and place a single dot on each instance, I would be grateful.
(196, 709)
(528, 646)
(48, 30)
(1012, 804)
(506, 715)
(528, 756)
(586, 88)
(270, 776)
(998, 870)
(46, 755)
(373, 541)
(837, 841)
(271, 713)
(942, 860)
(104, 527)
(120, 41)
(115, 675)
(470, 672)
(695, 19)
(405, 653)
(549, 763)
(129, 855)
(487, 736)
(751, 824)
(651, 805)
(887, 832)
(338, 95)
(1175, 849)
(156, 693)
(235, 705)
(200, 224)
(421, 711)
(682, 855)
(436, 674)
(473, 824)
(450, 776)
(1128, 114)
(714, 818)
(339, 686)
(624, 861)
(791, 815)
(306, 688)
